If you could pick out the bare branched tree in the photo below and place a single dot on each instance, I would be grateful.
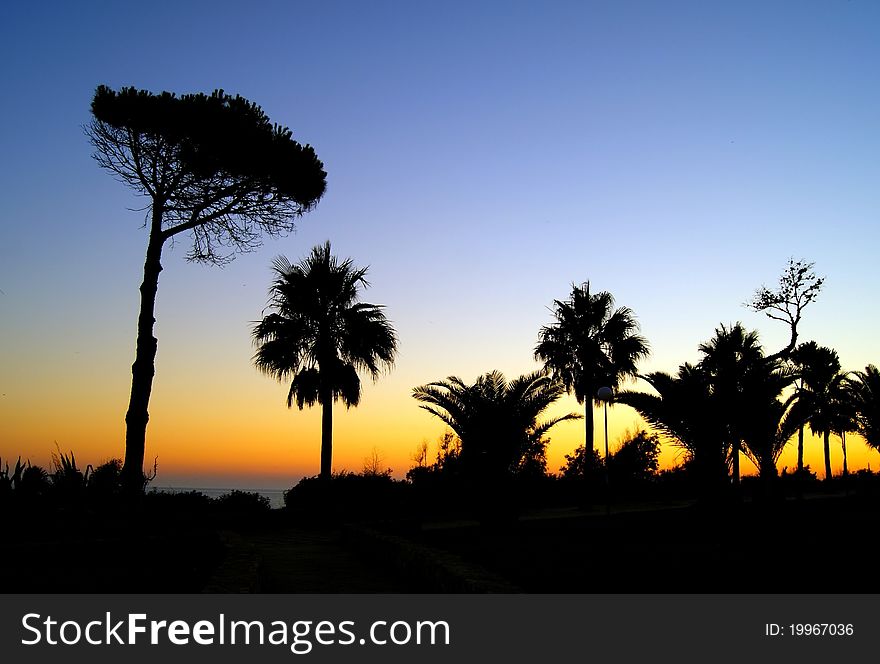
(798, 286)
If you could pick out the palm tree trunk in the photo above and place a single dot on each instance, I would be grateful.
(144, 367)
(589, 434)
(735, 461)
(800, 462)
(843, 445)
(768, 475)
(326, 434)
(827, 447)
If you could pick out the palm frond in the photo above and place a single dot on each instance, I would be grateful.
(316, 323)
(495, 420)
(590, 344)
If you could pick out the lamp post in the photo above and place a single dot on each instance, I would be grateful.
(605, 394)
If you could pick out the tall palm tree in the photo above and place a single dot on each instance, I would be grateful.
(864, 390)
(495, 420)
(821, 384)
(590, 345)
(729, 359)
(319, 335)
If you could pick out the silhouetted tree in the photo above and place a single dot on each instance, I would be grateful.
(686, 410)
(799, 360)
(590, 345)
(845, 415)
(821, 390)
(768, 420)
(730, 359)
(798, 286)
(496, 421)
(212, 166)
(636, 458)
(864, 390)
(579, 464)
(730, 401)
(448, 451)
(319, 335)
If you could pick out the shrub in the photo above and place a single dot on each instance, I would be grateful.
(34, 485)
(580, 464)
(177, 503)
(636, 459)
(349, 495)
(103, 482)
(248, 502)
(68, 481)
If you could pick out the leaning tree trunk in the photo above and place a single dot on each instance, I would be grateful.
(827, 447)
(326, 434)
(144, 367)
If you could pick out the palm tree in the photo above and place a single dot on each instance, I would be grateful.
(864, 390)
(845, 417)
(769, 421)
(729, 358)
(495, 420)
(821, 384)
(590, 345)
(320, 336)
(799, 360)
(684, 409)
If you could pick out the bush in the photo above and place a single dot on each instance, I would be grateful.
(246, 502)
(636, 460)
(34, 486)
(177, 503)
(350, 496)
(103, 482)
(580, 464)
(634, 464)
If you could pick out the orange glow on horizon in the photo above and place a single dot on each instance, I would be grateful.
(250, 434)
(225, 420)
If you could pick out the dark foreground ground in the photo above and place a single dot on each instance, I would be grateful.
(816, 545)
(821, 545)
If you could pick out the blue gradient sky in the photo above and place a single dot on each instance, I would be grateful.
(481, 157)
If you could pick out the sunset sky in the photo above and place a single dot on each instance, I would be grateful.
(481, 157)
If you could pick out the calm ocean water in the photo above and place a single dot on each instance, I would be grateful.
(275, 496)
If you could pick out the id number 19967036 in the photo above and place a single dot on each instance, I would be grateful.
(809, 629)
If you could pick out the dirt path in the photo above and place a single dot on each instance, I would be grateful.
(316, 561)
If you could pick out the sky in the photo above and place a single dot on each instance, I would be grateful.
(481, 158)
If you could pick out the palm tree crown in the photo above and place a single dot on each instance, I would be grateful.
(768, 420)
(730, 359)
(590, 345)
(496, 420)
(685, 410)
(320, 336)
(864, 389)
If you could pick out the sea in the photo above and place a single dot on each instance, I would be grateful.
(275, 496)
